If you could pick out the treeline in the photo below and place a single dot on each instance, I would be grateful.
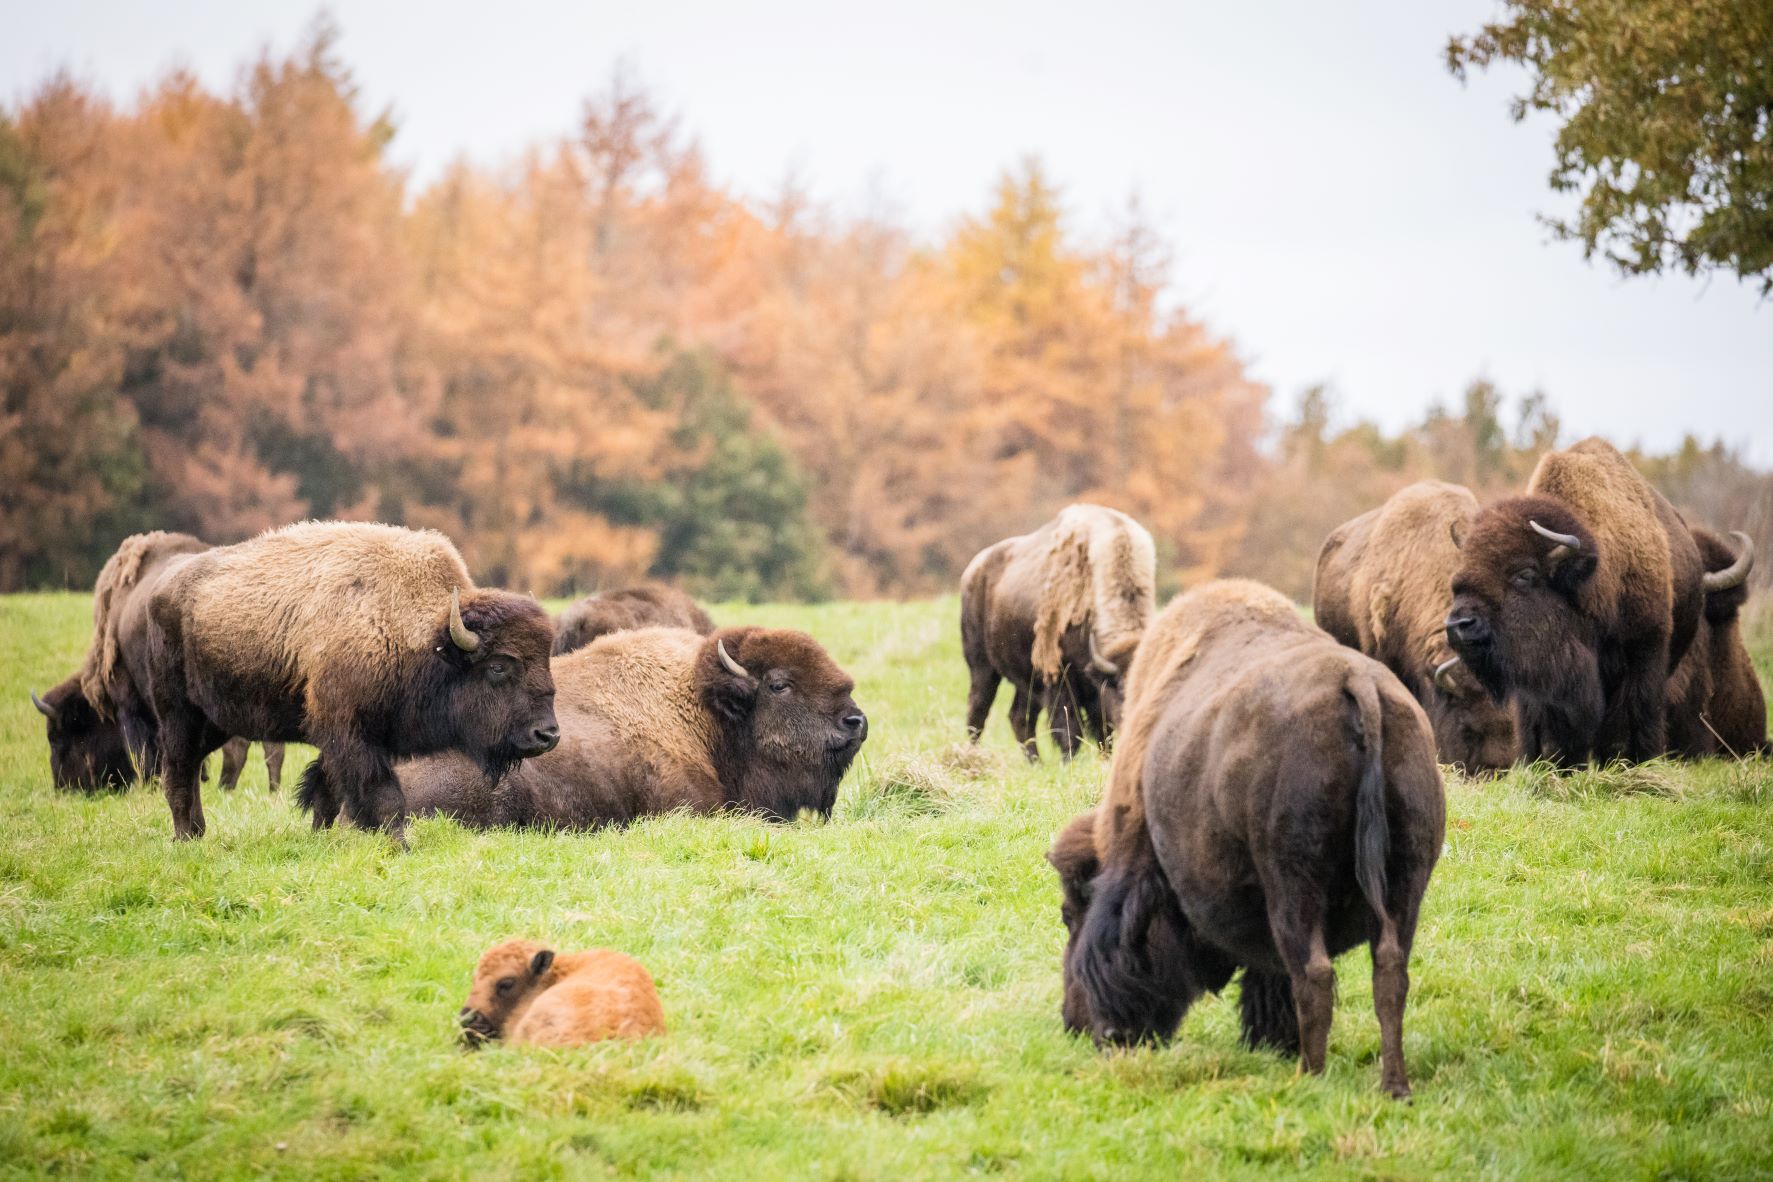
(220, 313)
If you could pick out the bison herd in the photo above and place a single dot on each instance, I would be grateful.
(1274, 798)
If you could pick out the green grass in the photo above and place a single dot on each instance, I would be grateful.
(873, 998)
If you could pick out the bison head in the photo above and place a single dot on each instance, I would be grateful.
(497, 693)
(87, 753)
(788, 726)
(1074, 856)
(1470, 728)
(1108, 672)
(507, 975)
(1516, 620)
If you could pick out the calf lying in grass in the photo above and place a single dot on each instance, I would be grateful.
(524, 993)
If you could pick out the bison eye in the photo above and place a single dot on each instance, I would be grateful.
(779, 687)
(1526, 579)
(499, 671)
(506, 985)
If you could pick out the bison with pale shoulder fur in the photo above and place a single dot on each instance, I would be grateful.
(526, 994)
(368, 641)
(660, 719)
(1715, 702)
(1274, 801)
(650, 605)
(1058, 612)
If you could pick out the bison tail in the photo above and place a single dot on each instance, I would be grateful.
(1372, 830)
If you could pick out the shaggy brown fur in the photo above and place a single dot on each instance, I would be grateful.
(524, 994)
(341, 634)
(101, 727)
(1058, 612)
(652, 721)
(1384, 586)
(648, 606)
(1715, 703)
(1581, 641)
(1273, 802)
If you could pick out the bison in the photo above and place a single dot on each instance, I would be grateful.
(524, 994)
(101, 727)
(368, 641)
(758, 719)
(1383, 586)
(1058, 612)
(648, 606)
(1715, 702)
(1274, 801)
(1576, 602)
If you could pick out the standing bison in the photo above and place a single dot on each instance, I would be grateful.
(1715, 704)
(648, 606)
(1576, 601)
(1274, 801)
(759, 719)
(368, 641)
(1058, 612)
(1383, 586)
(101, 727)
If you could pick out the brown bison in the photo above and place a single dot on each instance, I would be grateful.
(1715, 704)
(524, 994)
(368, 641)
(101, 727)
(1576, 602)
(647, 606)
(1383, 586)
(1058, 612)
(759, 719)
(1274, 801)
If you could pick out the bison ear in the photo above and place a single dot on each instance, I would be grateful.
(1456, 532)
(730, 690)
(540, 962)
(1569, 572)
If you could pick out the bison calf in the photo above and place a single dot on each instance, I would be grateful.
(1274, 801)
(647, 606)
(525, 994)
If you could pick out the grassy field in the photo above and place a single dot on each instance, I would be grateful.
(873, 998)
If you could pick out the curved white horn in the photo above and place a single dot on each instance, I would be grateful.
(726, 658)
(43, 708)
(1552, 535)
(460, 633)
(1100, 663)
(1736, 573)
(1443, 676)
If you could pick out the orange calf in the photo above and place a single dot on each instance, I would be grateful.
(524, 993)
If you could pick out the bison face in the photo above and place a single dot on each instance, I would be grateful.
(1470, 729)
(1516, 622)
(86, 753)
(789, 725)
(500, 691)
(507, 975)
(1074, 856)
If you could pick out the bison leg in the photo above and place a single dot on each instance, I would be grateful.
(185, 742)
(1023, 713)
(1265, 1006)
(274, 765)
(980, 695)
(1637, 715)
(1391, 985)
(1063, 718)
(1295, 916)
(233, 762)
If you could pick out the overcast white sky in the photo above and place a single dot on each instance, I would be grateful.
(1338, 204)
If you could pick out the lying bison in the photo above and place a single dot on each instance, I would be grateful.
(759, 719)
(1715, 704)
(524, 994)
(648, 606)
(101, 728)
(1577, 601)
(1383, 586)
(1274, 801)
(368, 641)
(1058, 612)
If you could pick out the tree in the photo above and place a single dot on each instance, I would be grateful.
(1667, 124)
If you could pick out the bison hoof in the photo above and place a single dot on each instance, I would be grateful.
(1398, 1091)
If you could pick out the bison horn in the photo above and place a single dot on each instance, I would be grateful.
(1443, 677)
(1736, 573)
(1100, 663)
(464, 636)
(726, 658)
(43, 708)
(1552, 535)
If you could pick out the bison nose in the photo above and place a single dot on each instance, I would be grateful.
(857, 724)
(1467, 629)
(545, 738)
(465, 1015)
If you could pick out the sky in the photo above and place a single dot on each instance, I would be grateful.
(1337, 204)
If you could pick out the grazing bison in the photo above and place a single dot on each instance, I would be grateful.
(1274, 801)
(1058, 612)
(524, 994)
(1577, 601)
(658, 719)
(648, 606)
(1715, 703)
(1383, 586)
(101, 727)
(369, 641)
